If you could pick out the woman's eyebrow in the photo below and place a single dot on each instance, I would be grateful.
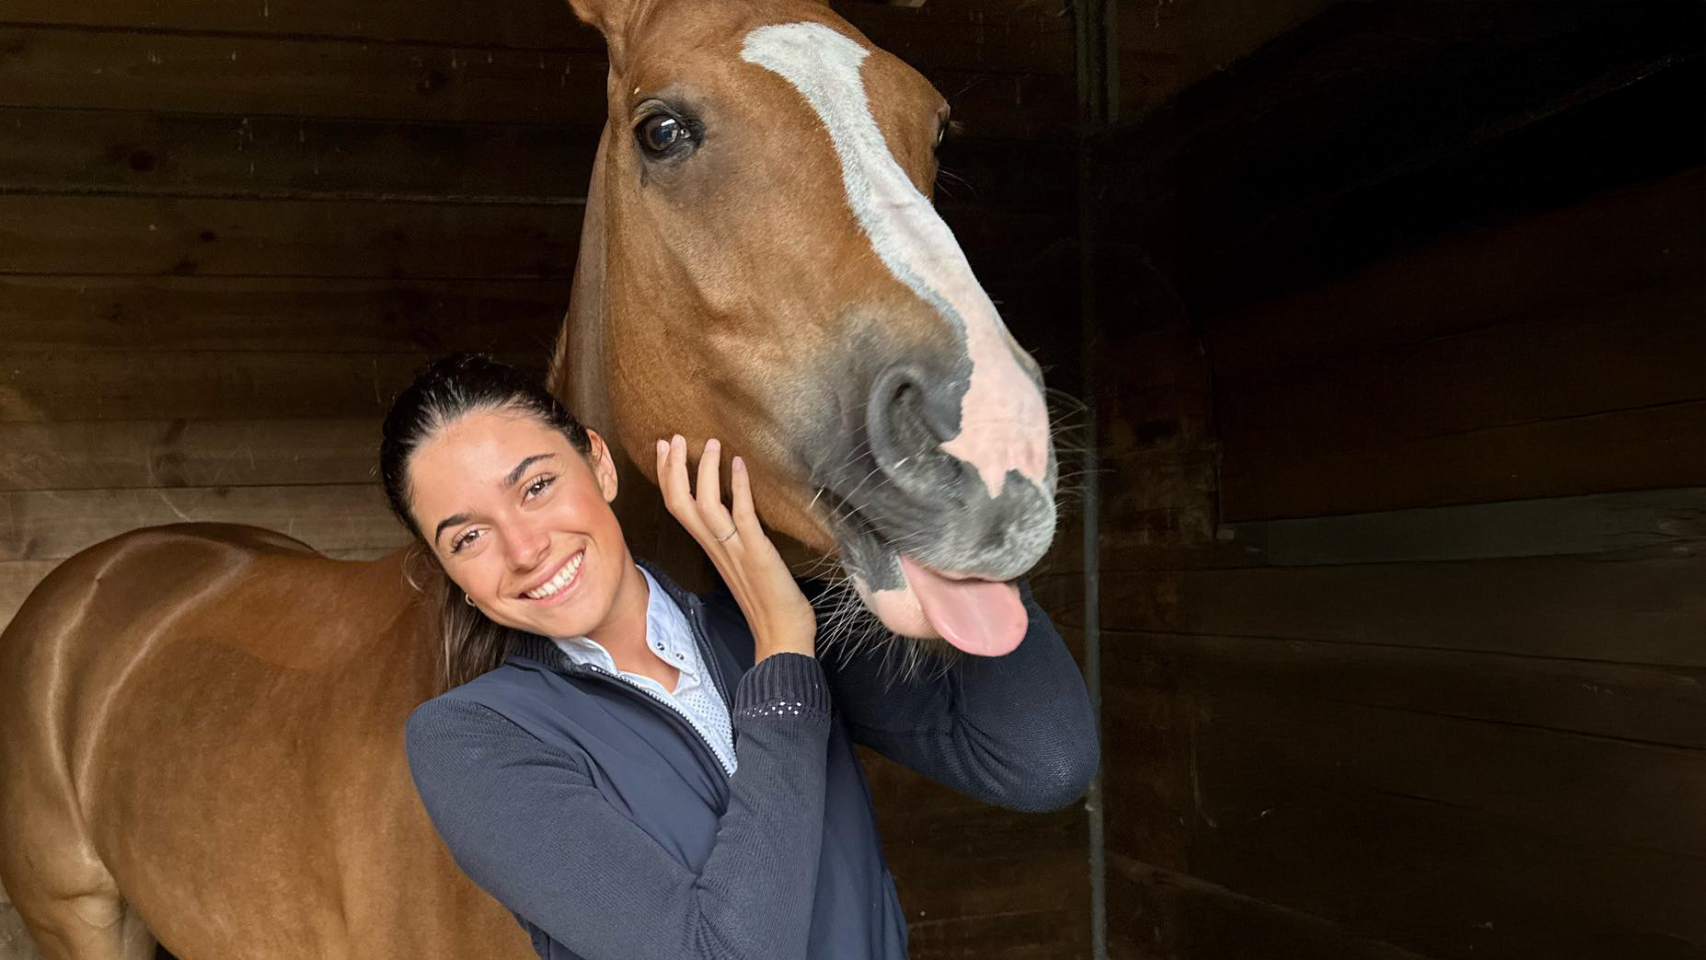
(521, 468)
(449, 521)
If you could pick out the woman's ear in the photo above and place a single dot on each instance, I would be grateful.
(603, 467)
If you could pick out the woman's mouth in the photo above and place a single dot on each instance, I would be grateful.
(560, 582)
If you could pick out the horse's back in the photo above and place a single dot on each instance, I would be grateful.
(194, 717)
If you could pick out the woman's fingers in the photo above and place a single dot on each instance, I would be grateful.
(672, 480)
(708, 491)
(740, 491)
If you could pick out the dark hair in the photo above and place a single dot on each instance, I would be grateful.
(443, 392)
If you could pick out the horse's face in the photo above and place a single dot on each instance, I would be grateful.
(777, 276)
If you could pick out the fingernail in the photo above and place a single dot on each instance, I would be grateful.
(737, 463)
(712, 442)
(663, 446)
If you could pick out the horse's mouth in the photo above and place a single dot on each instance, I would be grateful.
(913, 596)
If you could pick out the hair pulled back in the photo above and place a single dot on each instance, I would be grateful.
(442, 393)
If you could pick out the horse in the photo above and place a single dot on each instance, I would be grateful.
(201, 725)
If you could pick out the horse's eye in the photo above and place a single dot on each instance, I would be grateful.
(660, 133)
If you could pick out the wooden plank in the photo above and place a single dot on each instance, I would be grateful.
(52, 525)
(977, 880)
(1493, 92)
(1640, 449)
(1645, 608)
(1522, 528)
(1419, 830)
(94, 314)
(152, 237)
(1647, 704)
(1613, 245)
(245, 76)
(1157, 914)
(49, 388)
(1638, 350)
(971, 34)
(137, 236)
(175, 154)
(106, 454)
(513, 23)
(1456, 885)
(97, 151)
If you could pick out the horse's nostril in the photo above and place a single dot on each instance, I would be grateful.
(908, 418)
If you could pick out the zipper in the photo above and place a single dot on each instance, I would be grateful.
(670, 708)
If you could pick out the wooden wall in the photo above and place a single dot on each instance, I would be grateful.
(230, 231)
(1405, 572)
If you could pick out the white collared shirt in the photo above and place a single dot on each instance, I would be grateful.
(670, 638)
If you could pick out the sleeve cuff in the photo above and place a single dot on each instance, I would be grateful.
(784, 684)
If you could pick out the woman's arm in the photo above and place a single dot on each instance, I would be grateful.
(528, 825)
(1016, 730)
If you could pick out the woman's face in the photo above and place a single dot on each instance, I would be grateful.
(522, 521)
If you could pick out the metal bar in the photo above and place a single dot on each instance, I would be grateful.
(1097, 104)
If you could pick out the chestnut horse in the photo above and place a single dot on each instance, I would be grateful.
(201, 725)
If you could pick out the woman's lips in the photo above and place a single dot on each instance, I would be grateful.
(563, 591)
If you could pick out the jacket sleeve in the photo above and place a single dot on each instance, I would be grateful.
(1015, 730)
(526, 823)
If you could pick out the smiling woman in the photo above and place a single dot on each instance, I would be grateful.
(636, 771)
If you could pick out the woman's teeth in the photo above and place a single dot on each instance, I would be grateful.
(561, 580)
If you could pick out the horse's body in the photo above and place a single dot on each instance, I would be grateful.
(201, 726)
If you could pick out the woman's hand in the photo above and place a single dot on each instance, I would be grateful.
(782, 620)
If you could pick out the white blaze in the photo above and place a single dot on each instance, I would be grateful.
(1003, 423)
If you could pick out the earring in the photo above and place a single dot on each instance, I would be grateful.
(467, 599)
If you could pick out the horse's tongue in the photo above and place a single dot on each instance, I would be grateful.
(978, 616)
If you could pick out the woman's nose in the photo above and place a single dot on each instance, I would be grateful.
(529, 545)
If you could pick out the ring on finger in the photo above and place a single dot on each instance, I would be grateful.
(726, 536)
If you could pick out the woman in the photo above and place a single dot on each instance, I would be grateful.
(638, 772)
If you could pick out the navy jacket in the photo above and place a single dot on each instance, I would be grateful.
(602, 820)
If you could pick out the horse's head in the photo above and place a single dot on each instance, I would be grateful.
(769, 269)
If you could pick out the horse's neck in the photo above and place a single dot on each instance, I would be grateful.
(577, 366)
(577, 376)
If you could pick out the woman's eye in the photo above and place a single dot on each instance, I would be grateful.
(539, 486)
(463, 539)
(661, 133)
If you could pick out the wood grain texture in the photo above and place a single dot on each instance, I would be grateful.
(1642, 608)
(1164, 915)
(222, 155)
(54, 388)
(1521, 528)
(1657, 705)
(1625, 242)
(80, 314)
(53, 525)
(115, 454)
(244, 76)
(188, 237)
(1624, 450)
(1421, 830)
(1009, 35)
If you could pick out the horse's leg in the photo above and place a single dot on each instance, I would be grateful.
(56, 881)
(67, 899)
(97, 926)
